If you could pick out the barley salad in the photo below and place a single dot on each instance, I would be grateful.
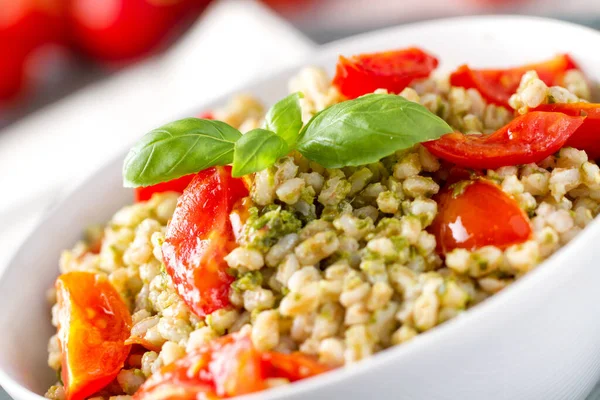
(269, 246)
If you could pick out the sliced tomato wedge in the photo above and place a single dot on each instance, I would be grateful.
(497, 85)
(392, 70)
(527, 139)
(184, 379)
(94, 322)
(293, 366)
(587, 137)
(473, 214)
(199, 236)
(176, 185)
(226, 367)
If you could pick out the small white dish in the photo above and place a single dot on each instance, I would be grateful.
(538, 339)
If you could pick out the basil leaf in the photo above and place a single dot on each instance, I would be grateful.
(285, 118)
(367, 129)
(179, 148)
(257, 150)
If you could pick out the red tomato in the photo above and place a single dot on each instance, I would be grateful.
(473, 214)
(176, 185)
(587, 137)
(391, 70)
(497, 85)
(25, 26)
(226, 367)
(526, 139)
(199, 236)
(206, 115)
(293, 366)
(123, 30)
(457, 174)
(94, 321)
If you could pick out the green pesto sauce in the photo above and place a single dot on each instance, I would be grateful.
(263, 231)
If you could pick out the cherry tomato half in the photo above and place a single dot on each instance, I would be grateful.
(526, 139)
(587, 137)
(198, 238)
(464, 219)
(497, 85)
(225, 367)
(94, 322)
(176, 185)
(391, 70)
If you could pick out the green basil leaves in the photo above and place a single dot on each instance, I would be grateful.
(257, 150)
(179, 148)
(351, 133)
(285, 118)
(367, 129)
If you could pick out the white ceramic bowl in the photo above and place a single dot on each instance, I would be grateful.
(538, 339)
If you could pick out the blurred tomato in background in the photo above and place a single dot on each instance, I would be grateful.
(27, 27)
(125, 30)
(37, 37)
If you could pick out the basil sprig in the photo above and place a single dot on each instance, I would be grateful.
(257, 150)
(367, 129)
(177, 149)
(351, 133)
(285, 118)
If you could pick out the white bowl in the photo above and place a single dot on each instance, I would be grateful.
(538, 339)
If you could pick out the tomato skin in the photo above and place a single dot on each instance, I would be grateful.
(497, 85)
(294, 366)
(94, 322)
(125, 30)
(527, 139)
(199, 236)
(226, 367)
(473, 214)
(587, 137)
(392, 70)
(176, 185)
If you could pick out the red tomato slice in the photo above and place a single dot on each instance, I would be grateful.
(198, 238)
(293, 366)
(236, 367)
(587, 137)
(473, 214)
(497, 85)
(176, 185)
(526, 139)
(391, 70)
(94, 321)
(226, 367)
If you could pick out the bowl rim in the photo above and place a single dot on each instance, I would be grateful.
(552, 266)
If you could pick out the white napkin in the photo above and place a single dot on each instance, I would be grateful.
(233, 43)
